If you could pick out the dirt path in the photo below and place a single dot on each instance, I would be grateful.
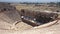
(54, 29)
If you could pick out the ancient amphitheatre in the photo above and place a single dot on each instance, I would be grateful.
(29, 19)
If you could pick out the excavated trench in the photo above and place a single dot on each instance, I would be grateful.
(37, 18)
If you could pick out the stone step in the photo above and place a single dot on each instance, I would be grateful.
(10, 16)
